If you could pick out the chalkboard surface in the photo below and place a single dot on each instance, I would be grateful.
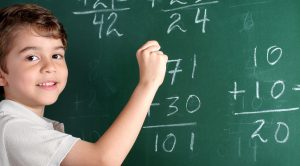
(232, 90)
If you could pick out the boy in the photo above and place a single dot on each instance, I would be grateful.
(33, 73)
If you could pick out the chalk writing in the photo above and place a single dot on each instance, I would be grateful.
(285, 139)
(279, 126)
(260, 98)
(280, 130)
(169, 142)
(176, 17)
(106, 15)
(110, 21)
(178, 68)
(174, 24)
(256, 134)
(277, 89)
(172, 138)
(172, 104)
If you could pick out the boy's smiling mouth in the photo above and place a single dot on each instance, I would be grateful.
(47, 84)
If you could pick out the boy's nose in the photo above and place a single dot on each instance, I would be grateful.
(48, 67)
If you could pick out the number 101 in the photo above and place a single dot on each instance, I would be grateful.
(168, 143)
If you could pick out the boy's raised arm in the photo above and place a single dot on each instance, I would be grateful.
(116, 142)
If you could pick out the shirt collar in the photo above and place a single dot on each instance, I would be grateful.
(14, 108)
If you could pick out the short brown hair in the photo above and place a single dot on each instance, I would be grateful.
(41, 20)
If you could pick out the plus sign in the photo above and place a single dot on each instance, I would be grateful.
(235, 92)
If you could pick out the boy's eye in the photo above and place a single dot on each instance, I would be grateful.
(32, 58)
(57, 56)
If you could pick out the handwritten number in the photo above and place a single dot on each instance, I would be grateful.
(279, 126)
(174, 24)
(165, 143)
(177, 1)
(110, 29)
(281, 85)
(287, 132)
(272, 51)
(196, 103)
(175, 108)
(97, 3)
(203, 20)
(255, 134)
(113, 17)
(100, 23)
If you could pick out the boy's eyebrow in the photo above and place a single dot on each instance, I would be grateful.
(60, 48)
(37, 48)
(28, 48)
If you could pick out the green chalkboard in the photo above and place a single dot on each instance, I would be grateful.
(232, 90)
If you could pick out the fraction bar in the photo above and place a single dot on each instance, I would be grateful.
(190, 6)
(250, 4)
(171, 125)
(100, 11)
(268, 111)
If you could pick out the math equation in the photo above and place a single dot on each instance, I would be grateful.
(274, 90)
(234, 80)
(107, 15)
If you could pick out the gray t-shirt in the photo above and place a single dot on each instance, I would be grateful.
(29, 140)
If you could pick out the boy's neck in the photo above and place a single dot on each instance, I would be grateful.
(38, 110)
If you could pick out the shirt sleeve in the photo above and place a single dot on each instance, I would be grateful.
(29, 144)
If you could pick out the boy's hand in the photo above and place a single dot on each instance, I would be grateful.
(152, 64)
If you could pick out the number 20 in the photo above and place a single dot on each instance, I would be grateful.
(279, 124)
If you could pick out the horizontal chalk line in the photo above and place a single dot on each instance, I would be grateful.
(171, 125)
(268, 111)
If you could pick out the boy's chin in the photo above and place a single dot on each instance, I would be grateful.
(51, 102)
(48, 101)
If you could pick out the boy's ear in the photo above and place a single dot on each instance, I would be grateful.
(3, 81)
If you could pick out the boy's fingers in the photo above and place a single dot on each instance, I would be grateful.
(149, 44)
(161, 54)
(158, 52)
(150, 49)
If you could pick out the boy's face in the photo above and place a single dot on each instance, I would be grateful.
(37, 71)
